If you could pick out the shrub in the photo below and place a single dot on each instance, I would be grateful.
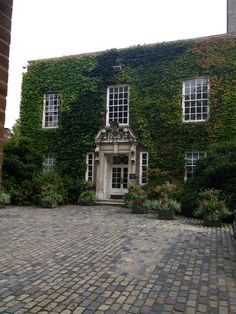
(210, 207)
(168, 205)
(5, 199)
(156, 177)
(165, 191)
(74, 187)
(50, 197)
(166, 202)
(21, 162)
(216, 171)
(87, 198)
(50, 185)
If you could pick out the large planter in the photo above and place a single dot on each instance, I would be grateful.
(138, 210)
(211, 223)
(166, 214)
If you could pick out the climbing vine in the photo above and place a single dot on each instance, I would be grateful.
(155, 74)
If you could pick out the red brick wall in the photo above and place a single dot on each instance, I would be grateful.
(5, 37)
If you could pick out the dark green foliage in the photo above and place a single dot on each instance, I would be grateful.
(50, 184)
(217, 171)
(87, 198)
(5, 199)
(75, 135)
(156, 177)
(74, 187)
(21, 162)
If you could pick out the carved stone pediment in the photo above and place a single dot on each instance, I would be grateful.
(115, 134)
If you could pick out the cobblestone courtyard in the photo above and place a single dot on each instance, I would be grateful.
(106, 260)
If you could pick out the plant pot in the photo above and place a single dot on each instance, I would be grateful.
(166, 214)
(138, 210)
(211, 223)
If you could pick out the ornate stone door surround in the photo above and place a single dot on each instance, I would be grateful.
(113, 140)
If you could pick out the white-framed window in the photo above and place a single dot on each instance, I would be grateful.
(196, 100)
(51, 105)
(118, 104)
(191, 161)
(143, 168)
(49, 162)
(89, 167)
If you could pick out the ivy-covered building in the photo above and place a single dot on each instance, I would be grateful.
(110, 115)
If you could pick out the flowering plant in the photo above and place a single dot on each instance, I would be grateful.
(210, 206)
(166, 201)
(135, 198)
(166, 190)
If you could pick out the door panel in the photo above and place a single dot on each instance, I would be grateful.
(119, 175)
(116, 177)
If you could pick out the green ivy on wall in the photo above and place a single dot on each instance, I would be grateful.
(155, 74)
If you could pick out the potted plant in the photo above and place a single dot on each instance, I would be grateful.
(211, 208)
(166, 204)
(135, 199)
(167, 208)
(5, 199)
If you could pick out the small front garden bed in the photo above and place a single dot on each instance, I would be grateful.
(164, 205)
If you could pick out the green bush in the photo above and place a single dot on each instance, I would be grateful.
(50, 185)
(211, 207)
(21, 162)
(74, 187)
(156, 177)
(216, 171)
(87, 198)
(5, 199)
(49, 197)
(168, 205)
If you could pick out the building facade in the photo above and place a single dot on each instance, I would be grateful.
(110, 116)
(5, 38)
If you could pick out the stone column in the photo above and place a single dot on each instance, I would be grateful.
(5, 38)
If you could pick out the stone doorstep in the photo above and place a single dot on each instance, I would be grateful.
(114, 202)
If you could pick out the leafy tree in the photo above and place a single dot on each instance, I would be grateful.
(16, 128)
(21, 162)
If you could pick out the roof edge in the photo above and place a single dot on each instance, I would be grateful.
(96, 53)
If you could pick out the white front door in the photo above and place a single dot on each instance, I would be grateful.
(119, 180)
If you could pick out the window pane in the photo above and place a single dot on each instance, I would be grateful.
(196, 89)
(119, 104)
(51, 110)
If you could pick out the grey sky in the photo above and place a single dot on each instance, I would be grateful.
(50, 28)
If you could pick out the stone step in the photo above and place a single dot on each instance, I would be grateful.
(114, 202)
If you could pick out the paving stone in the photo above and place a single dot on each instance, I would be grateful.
(104, 259)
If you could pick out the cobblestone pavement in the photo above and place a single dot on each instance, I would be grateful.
(105, 260)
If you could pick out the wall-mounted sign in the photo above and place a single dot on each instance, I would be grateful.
(132, 176)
